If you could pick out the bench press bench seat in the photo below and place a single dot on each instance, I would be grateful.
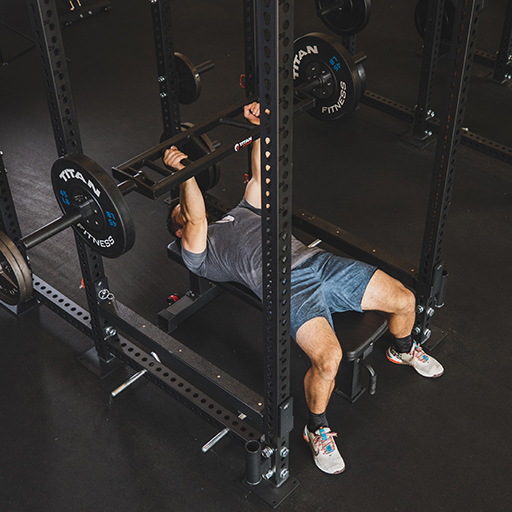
(357, 332)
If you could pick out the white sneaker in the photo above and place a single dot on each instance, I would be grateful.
(424, 364)
(325, 452)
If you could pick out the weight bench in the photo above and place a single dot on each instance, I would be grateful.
(357, 332)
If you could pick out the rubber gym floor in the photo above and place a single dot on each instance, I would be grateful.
(417, 444)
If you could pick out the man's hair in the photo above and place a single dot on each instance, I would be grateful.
(172, 225)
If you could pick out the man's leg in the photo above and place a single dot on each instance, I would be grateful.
(319, 342)
(321, 345)
(386, 294)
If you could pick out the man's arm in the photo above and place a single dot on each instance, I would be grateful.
(253, 189)
(192, 211)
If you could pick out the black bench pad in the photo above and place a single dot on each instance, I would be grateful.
(356, 331)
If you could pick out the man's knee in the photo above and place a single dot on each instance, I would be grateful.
(384, 293)
(405, 300)
(327, 364)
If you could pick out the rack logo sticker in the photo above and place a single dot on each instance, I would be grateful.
(240, 145)
(300, 55)
(67, 174)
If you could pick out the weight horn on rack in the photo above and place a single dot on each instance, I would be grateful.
(323, 68)
(189, 78)
(344, 17)
(92, 204)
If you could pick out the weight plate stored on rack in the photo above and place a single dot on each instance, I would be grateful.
(344, 17)
(189, 79)
(15, 275)
(318, 54)
(420, 19)
(110, 230)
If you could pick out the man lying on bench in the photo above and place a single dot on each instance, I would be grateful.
(321, 284)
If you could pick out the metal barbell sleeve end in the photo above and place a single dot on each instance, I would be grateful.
(133, 378)
(129, 382)
(315, 243)
(212, 442)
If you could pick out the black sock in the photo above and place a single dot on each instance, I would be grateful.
(403, 344)
(316, 421)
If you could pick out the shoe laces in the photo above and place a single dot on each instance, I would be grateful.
(324, 441)
(419, 353)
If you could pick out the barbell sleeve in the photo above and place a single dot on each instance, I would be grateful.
(205, 66)
(51, 229)
(316, 81)
(331, 8)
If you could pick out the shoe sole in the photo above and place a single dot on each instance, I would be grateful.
(396, 361)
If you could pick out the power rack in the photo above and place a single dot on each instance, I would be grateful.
(262, 424)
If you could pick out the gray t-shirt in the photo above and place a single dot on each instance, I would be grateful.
(233, 250)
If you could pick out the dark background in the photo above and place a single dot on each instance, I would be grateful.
(417, 444)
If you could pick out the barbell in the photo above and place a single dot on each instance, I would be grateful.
(94, 206)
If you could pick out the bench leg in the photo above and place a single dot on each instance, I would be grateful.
(170, 318)
(349, 380)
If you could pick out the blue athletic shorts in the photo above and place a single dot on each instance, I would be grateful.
(325, 284)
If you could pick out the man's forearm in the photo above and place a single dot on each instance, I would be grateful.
(256, 160)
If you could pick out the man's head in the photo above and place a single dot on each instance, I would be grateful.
(174, 218)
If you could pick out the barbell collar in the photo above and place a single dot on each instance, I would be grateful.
(316, 82)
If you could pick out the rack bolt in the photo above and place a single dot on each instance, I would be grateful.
(284, 452)
(269, 474)
(161, 78)
(103, 294)
(267, 452)
(110, 331)
(430, 311)
(163, 95)
(427, 333)
(284, 474)
(419, 309)
(416, 330)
